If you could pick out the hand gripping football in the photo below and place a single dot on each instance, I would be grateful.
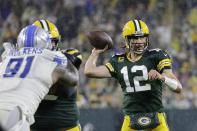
(99, 39)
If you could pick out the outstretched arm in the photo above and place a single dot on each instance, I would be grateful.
(91, 70)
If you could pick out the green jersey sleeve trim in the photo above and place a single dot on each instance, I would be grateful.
(110, 68)
(164, 63)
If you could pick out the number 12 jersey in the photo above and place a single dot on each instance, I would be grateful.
(140, 94)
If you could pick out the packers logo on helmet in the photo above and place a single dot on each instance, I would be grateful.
(135, 29)
(51, 29)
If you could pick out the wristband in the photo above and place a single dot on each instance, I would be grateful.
(171, 83)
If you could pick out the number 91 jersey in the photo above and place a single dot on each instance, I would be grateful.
(140, 94)
(26, 76)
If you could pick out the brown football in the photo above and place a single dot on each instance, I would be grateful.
(99, 39)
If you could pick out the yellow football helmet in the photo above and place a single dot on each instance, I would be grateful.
(51, 29)
(134, 29)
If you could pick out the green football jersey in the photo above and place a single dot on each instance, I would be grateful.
(140, 94)
(60, 113)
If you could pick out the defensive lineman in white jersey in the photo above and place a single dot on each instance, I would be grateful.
(26, 74)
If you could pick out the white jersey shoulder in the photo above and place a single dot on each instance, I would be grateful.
(26, 76)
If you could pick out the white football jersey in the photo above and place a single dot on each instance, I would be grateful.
(26, 76)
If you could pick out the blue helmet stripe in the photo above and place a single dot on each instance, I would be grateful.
(29, 39)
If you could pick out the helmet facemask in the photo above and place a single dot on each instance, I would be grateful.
(55, 44)
(137, 44)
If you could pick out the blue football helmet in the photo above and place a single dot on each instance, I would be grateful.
(33, 36)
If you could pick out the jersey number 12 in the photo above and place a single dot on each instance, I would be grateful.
(136, 79)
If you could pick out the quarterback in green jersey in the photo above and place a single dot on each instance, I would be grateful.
(142, 74)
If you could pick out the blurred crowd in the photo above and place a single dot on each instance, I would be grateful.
(173, 27)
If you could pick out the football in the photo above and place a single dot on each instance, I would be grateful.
(99, 39)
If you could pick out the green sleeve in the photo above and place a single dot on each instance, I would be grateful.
(163, 61)
(111, 67)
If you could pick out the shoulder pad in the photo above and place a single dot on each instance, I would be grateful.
(118, 55)
(158, 53)
(155, 50)
(56, 56)
(119, 52)
(61, 59)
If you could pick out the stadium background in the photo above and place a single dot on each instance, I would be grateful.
(173, 26)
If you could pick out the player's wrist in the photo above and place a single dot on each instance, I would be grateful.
(171, 83)
(162, 78)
